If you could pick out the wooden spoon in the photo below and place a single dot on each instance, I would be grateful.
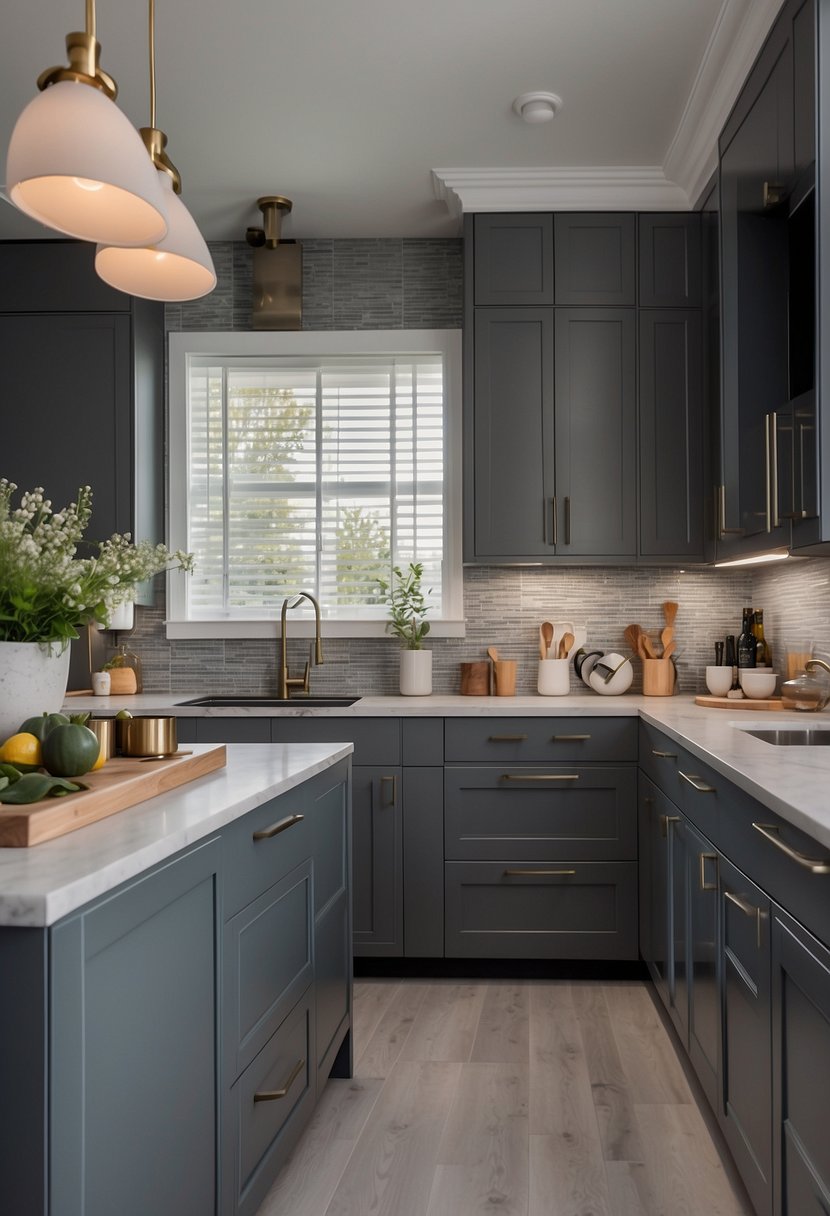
(666, 638)
(632, 636)
(566, 644)
(543, 650)
(648, 646)
(668, 648)
(493, 654)
(547, 636)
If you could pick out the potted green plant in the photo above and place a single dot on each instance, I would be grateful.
(407, 611)
(48, 592)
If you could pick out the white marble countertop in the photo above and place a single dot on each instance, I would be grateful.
(41, 884)
(792, 781)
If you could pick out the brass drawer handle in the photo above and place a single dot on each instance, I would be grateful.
(276, 828)
(393, 801)
(697, 784)
(537, 873)
(748, 909)
(540, 776)
(704, 885)
(569, 738)
(273, 1095)
(665, 820)
(771, 832)
(664, 755)
(506, 738)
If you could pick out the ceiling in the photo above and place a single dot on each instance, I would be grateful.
(346, 106)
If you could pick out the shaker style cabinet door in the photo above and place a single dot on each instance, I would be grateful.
(670, 263)
(513, 260)
(595, 263)
(512, 501)
(377, 852)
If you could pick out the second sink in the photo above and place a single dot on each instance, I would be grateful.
(272, 702)
(793, 738)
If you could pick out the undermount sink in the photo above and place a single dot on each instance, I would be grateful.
(793, 738)
(271, 702)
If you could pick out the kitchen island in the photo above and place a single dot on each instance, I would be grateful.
(175, 988)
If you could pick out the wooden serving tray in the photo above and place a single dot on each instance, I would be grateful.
(774, 703)
(121, 783)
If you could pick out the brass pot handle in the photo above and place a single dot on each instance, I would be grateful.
(276, 828)
(273, 1095)
(771, 832)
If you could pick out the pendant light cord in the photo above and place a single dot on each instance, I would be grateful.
(152, 40)
(90, 18)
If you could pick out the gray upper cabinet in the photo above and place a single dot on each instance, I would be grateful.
(513, 439)
(595, 261)
(513, 260)
(596, 428)
(671, 434)
(670, 260)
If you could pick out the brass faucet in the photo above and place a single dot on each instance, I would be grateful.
(811, 663)
(288, 682)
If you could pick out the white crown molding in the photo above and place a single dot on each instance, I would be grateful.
(592, 188)
(736, 39)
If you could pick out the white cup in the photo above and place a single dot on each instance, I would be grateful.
(718, 680)
(554, 678)
(101, 683)
(757, 682)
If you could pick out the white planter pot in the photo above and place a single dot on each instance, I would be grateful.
(32, 681)
(416, 673)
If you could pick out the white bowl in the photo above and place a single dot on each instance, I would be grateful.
(756, 684)
(718, 680)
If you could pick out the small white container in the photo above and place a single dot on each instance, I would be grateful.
(101, 683)
(718, 680)
(416, 673)
(757, 683)
(554, 679)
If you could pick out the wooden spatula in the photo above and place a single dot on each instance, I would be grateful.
(632, 636)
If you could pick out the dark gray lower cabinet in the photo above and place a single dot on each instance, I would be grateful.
(134, 1046)
(801, 1067)
(702, 971)
(378, 861)
(656, 813)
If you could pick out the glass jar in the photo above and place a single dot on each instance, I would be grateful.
(804, 693)
(124, 667)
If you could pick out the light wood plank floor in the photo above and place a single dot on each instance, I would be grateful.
(525, 1098)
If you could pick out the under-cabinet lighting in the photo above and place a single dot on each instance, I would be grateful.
(774, 555)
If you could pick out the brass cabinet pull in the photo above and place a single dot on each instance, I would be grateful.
(696, 783)
(664, 755)
(273, 1095)
(567, 520)
(536, 873)
(507, 738)
(540, 776)
(568, 738)
(722, 528)
(276, 828)
(748, 909)
(665, 820)
(771, 832)
(545, 521)
(393, 801)
(767, 474)
(704, 885)
(773, 195)
(555, 523)
(773, 441)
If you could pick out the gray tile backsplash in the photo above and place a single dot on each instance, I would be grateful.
(390, 284)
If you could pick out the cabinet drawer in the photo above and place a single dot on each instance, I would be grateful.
(254, 865)
(539, 814)
(260, 1130)
(540, 740)
(660, 759)
(376, 740)
(570, 910)
(268, 964)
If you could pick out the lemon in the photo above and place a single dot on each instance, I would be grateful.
(21, 748)
(100, 762)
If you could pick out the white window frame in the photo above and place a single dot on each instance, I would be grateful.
(446, 342)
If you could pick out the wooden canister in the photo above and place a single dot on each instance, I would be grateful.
(659, 677)
(504, 677)
(475, 679)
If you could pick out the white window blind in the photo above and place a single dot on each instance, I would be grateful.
(315, 473)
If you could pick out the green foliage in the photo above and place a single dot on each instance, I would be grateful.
(362, 555)
(407, 605)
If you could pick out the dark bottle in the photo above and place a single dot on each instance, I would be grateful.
(763, 653)
(730, 659)
(747, 645)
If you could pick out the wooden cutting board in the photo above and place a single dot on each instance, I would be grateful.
(121, 783)
(774, 703)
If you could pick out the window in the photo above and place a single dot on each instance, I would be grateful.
(316, 462)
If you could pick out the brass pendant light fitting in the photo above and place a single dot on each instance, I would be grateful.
(155, 141)
(83, 52)
(273, 208)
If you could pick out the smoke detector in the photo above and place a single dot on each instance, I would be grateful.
(537, 107)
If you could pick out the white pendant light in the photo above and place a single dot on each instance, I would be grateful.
(178, 267)
(76, 163)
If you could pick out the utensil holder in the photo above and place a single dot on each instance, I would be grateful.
(659, 677)
(104, 731)
(475, 679)
(504, 677)
(147, 736)
(554, 678)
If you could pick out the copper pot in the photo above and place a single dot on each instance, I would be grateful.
(147, 736)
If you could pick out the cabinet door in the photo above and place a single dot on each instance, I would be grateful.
(702, 961)
(595, 260)
(756, 171)
(511, 497)
(377, 861)
(596, 429)
(801, 1066)
(328, 805)
(513, 259)
(655, 814)
(133, 1082)
(67, 420)
(670, 260)
(671, 434)
(745, 1093)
